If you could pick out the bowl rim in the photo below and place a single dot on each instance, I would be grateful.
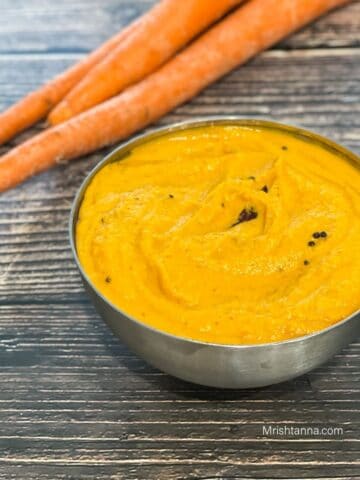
(153, 133)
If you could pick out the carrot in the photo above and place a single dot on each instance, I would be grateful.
(163, 33)
(38, 104)
(237, 38)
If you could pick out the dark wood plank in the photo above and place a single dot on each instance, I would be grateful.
(73, 397)
(160, 471)
(46, 26)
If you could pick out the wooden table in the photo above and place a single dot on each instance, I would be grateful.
(77, 404)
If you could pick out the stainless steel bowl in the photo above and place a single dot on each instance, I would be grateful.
(227, 366)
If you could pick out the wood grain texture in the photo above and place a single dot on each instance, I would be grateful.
(79, 25)
(75, 403)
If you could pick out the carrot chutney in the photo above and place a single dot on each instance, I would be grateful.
(226, 234)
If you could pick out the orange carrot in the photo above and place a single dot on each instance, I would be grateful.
(169, 28)
(237, 38)
(38, 104)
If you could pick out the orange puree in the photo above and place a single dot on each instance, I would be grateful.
(226, 234)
